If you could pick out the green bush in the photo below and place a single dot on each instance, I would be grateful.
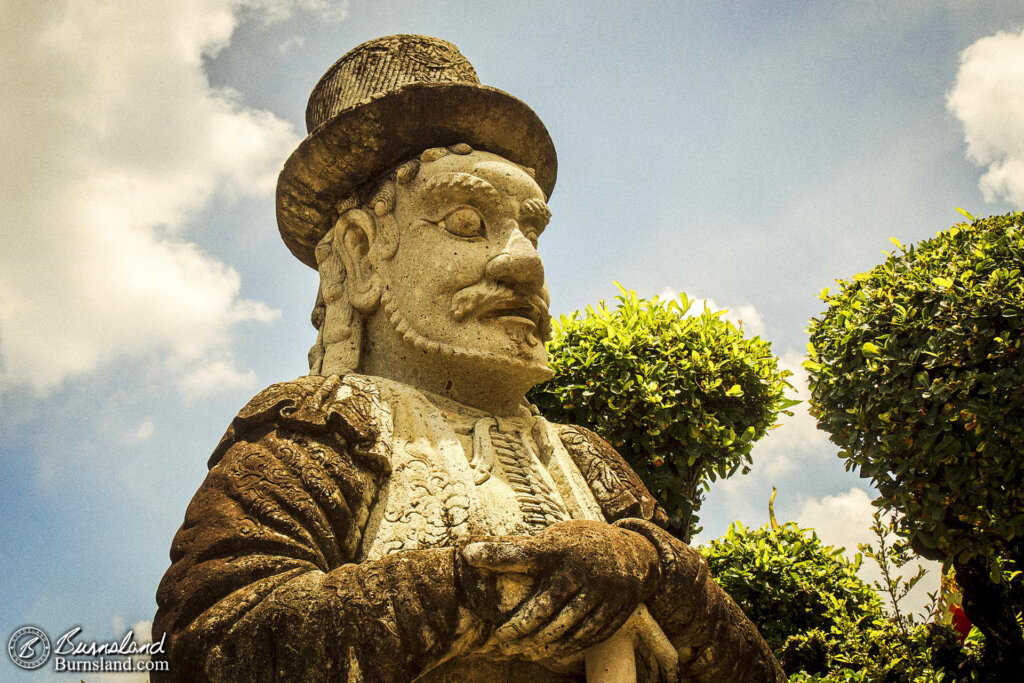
(789, 583)
(682, 398)
(884, 653)
(916, 373)
(824, 623)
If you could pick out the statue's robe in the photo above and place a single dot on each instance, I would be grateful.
(320, 546)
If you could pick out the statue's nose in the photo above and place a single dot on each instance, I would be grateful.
(518, 263)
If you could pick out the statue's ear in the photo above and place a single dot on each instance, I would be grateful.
(354, 236)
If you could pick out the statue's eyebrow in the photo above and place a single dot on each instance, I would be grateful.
(465, 182)
(536, 210)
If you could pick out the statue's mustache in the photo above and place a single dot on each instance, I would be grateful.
(487, 296)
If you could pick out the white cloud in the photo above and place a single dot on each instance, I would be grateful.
(113, 139)
(988, 97)
(144, 431)
(142, 633)
(745, 315)
(214, 377)
(292, 43)
(798, 435)
(279, 10)
(844, 520)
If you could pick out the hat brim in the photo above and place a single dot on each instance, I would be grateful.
(363, 141)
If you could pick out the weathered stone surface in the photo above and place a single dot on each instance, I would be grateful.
(401, 513)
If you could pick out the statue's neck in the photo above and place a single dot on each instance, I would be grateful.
(450, 380)
(450, 407)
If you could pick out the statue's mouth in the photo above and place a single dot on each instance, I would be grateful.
(515, 307)
(521, 307)
(524, 312)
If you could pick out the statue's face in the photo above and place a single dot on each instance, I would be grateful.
(466, 281)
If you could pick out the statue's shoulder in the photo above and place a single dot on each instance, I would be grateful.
(617, 488)
(330, 408)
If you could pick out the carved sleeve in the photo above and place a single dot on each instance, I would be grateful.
(616, 487)
(716, 642)
(261, 584)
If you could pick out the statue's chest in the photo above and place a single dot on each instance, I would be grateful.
(514, 490)
(468, 475)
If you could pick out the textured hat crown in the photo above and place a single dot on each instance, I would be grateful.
(380, 66)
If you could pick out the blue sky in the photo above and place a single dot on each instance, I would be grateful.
(746, 153)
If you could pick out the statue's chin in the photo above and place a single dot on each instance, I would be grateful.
(497, 363)
(506, 375)
(516, 359)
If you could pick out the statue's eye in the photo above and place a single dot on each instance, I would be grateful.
(463, 222)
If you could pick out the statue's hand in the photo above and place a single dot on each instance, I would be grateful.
(585, 579)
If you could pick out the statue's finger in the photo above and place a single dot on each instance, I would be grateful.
(537, 610)
(601, 625)
(501, 556)
(538, 644)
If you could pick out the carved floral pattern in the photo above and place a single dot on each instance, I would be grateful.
(437, 508)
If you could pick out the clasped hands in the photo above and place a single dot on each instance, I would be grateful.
(553, 594)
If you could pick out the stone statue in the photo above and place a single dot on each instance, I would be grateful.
(402, 513)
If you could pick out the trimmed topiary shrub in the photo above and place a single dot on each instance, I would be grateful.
(917, 374)
(789, 583)
(683, 398)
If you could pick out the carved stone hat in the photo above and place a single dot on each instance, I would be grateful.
(383, 102)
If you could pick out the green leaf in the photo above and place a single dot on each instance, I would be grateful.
(870, 349)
